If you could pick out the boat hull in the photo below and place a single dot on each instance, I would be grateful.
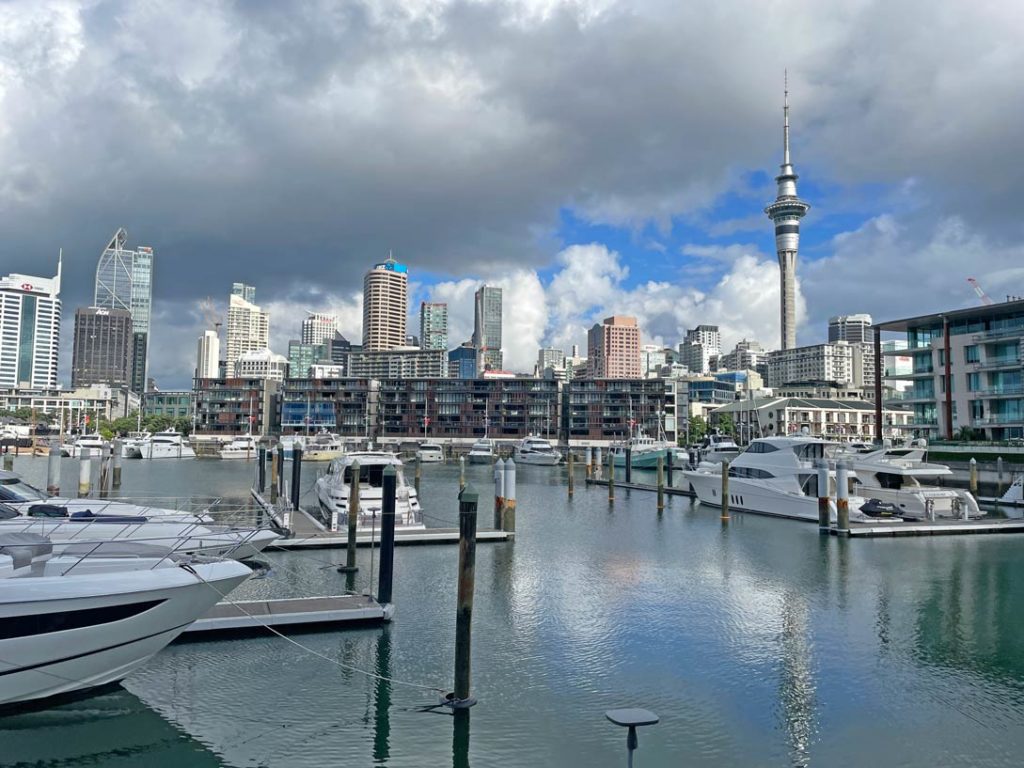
(538, 459)
(481, 458)
(643, 460)
(149, 608)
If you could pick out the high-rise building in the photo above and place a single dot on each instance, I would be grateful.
(701, 348)
(318, 327)
(817, 362)
(549, 357)
(248, 330)
(785, 213)
(29, 331)
(302, 357)
(855, 329)
(462, 361)
(208, 356)
(613, 349)
(385, 305)
(102, 351)
(247, 292)
(745, 356)
(433, 325)
(124, 280)
(261, 364)
(487, 327)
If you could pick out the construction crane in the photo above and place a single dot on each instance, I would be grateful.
(981, 293)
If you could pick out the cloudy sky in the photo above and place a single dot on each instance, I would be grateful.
(591, 156)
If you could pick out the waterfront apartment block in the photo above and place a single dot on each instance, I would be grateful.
(102, 349)
(602, 410)
(171, 405)
(966, 370)
(613, 349)
(29, 330)
(71, 406)
(235, 406)
(385, 305)
(583, 411)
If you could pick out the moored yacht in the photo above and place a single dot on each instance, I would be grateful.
(322, 446)
(22, 496)
(644, 451)
(536, 450)
(73, 622)
(716, 448)
(65, 529)
(430, 453)
(905, 480)
(89, 445)
(333, 489)
(243, 447)
(777, 476)
(482, 451)
(168, 444)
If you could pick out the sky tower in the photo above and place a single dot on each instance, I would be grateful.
(785, 213)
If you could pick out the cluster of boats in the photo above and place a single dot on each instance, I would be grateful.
(779, 476)
(92, 589)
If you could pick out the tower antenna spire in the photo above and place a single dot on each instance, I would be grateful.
(785, 114)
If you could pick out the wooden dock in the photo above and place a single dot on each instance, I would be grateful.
(669, 490)
(252, 616)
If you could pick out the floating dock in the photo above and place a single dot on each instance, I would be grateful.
(253, 616)
(305, 532)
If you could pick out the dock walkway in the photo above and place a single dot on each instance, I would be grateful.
(253, 616)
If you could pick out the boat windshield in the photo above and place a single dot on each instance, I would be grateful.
(811, 451)
(372, 475)
(15, 489)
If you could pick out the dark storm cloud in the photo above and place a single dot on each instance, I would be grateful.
(293, 143)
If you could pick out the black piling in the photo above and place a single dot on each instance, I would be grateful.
(385, 580)
(296, 476)
(629, 464)
(261, 470)
(464, 613)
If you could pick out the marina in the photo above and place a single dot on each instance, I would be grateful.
(811, 637)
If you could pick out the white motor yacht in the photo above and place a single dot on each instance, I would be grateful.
(716, 448)
(243, 447)
(75, 449)
(332, 490)
(322, 446)
(482, 451)
(132, 441)
(64, 529)
(22, 496)
(430, 453)
(777, 476)
(168, 444)
(536, 450)
(70, 622)
(903, 479)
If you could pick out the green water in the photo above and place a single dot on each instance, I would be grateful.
(758, 642)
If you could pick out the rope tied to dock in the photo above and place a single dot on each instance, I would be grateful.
(316, 653)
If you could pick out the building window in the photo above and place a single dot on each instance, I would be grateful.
(971, 354)
(973, 382)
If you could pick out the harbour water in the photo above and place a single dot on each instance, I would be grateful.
(757, 641)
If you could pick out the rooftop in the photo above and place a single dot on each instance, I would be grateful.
(985, 312)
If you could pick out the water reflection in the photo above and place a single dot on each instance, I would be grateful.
(112, 729)
(382, 699)
(460, 739)
(796, 682)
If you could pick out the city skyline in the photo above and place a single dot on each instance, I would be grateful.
(646, 203)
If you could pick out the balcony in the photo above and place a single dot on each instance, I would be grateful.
(1000, 333)
(998, 362)
(1016, 389)
(1000, 419)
